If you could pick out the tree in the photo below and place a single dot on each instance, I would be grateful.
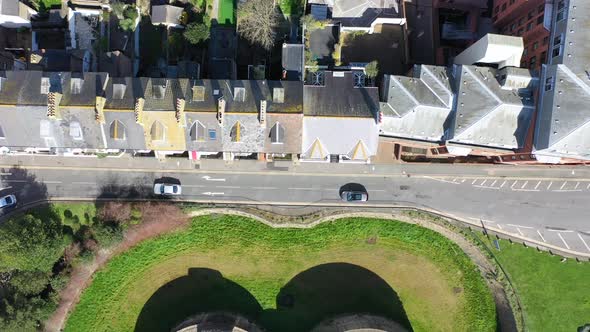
(257, 21)
(29, 283)
(372, 69)
(196, 33)
(116, 212)
(118, 8)
(29, 243)
(130, 16)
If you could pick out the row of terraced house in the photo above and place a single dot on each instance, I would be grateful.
(482, 105)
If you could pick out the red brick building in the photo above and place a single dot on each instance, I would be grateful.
(526, 18)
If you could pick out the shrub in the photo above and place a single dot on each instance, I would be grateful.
(107, 235)
(372, 69)
(29, 283)
(196, 33)
(115, 212)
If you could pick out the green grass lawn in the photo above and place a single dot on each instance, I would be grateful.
(291, 7)
(49, 3)
(289, 279)
(70, 214)
(555, 296)
(226, 15)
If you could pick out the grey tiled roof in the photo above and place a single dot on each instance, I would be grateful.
(338, 97)
(166, 14)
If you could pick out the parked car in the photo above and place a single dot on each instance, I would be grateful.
(7, 201)
(167, 189)
(354, 196)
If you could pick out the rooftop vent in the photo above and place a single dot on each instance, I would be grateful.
(198, 93)
(76, 85)
(119, 90)
(359, 79)
(45, 84)
(317, 78)
(159, 88)
(239, 94)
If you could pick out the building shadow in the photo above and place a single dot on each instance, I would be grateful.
(334, 289)
(201, 290)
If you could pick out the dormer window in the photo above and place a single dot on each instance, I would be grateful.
(158, 132)
(76, 86)
(76, 130)
(117, 130)
(198, 132)
(119, 90)
(45, 129)
(239, 94)
(45, 85)
(277, 134)
(198, 93)
(236, 132)
(278, 95)
(159, 89)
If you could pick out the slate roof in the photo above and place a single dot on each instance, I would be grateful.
(417, 107)
(338, 97)
(166, 14)
(563, 121)
(9, 7)
(160, 93)
(132, 90)
(292, 60)
(82, 89)
(486, 114)
(134, 139)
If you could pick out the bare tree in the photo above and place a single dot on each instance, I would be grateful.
(257, 21)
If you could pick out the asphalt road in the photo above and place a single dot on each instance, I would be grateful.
(550, 206)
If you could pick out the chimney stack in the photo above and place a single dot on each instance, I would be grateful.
(262, 116)
(220, 110)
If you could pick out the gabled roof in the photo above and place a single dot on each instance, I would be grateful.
(339, 97)
(563, 120)
(166, 14)
(487, 114)
(82, 89)
(361, 13)
(121, 92)
(417, 107)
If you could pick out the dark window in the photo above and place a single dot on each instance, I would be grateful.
(561, 10)
(520, 32)
(531, 14)
(526, 51)
(504, 6)
(533, 62)
(543, 56)
(549, 84)
(212, 134)
(117, 130)
(197, 132)
(277, 134)
(535, 45)
(497, 9)
(541, 8)
(521, 21)
(513, 27)
(545, 40)
(529, 26)
(540, 20)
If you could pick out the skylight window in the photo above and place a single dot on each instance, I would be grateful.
(76, 130)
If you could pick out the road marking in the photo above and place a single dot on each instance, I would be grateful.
(89, 183)
(537, 186)
(513, 225)
(229, 187)
(549, 186)
(463, 181)
(485, 187)
(455, 180)
(517, 189)
(566, 191)
(512, 186)
(440, 180)
(588, 187)
(563, 185)
(52, 182)
(5, 188)
(562, 239)
(541, 235)
(193, 185)
(474, 181)
(503, 183)
(577, 184)
(212, 194)
(483, 182)
(585, 244)
(524, 185)
(18, 181)
(519, 231)
(264, 188)
(5, 173)
(208, 178)
(500, 227)
(301, 188)
(493, 183)
(560, 230)
(378, 190)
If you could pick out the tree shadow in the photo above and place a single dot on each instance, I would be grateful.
(330, 290)
(24, 185)
(201, 290)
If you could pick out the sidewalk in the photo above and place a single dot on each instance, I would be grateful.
(128, 162)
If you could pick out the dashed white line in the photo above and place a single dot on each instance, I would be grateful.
(264, 188)
(513, 225)
(518, 189)
(5, 188)
(52, 182)
(524, 185)
(503, 183)
(541, 235)
(563, 240)
(229, 187)
(441, 180)
(563, 185)
(5, 173)
(378, 190)
(560, 230)
(193, 185)
(18, 181)
(537, 186)
(301, 188)
(585, 244)
(85, 183)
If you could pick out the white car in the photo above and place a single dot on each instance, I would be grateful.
(7, 201)
(167, 189)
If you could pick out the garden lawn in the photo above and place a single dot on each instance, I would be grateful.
(289, 279)
(73, 215)
(226, 14)
(555, 296)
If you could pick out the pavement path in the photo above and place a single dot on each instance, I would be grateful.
(546, 205)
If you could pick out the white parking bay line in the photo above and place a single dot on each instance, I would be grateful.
(503, 183)
(493, 183)
(474, 181)
(537, 186)
(560, 230)
(541, 235)
(514, 183)
(561, 237)
(563, 185)
(577, 184)
(484, 187)
(483, 182)
(513, 225)
(585, 244)
(524, 185)
(549, 186)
